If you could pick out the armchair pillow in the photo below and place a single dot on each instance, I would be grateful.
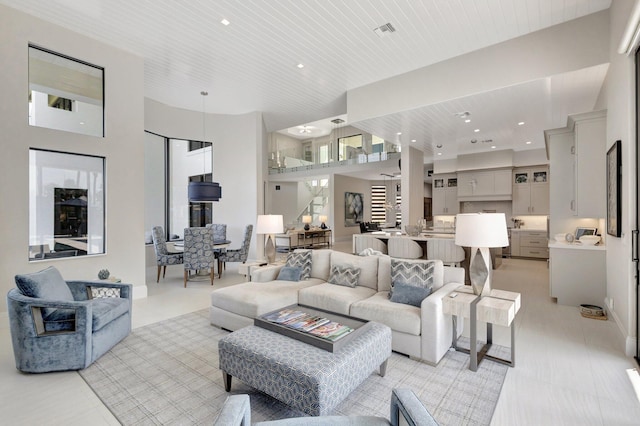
(301, 259)
(289, 273)
(344, 275)
(409, 294)
(46, 284)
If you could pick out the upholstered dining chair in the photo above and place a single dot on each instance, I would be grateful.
(198, 251)
(404, 248)
(236, 255)
(219, 231)
(163, 256)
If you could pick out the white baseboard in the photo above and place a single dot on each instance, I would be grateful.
(627, 343)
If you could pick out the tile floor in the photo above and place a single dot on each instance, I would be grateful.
(568, 370)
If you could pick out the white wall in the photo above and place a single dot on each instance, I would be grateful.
(154, 175)
(620, 94)
(123, 147)
(283, 201)
(239, 161)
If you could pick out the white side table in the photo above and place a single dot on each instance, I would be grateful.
(499, 307)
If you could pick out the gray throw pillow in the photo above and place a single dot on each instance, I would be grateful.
(46, 284)
(344, 275)
(301, 259)
(416, 273)
(409, 294)
(289, 273)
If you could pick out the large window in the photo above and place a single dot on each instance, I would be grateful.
(66, 204)
(65, 93)
(378, 194)
(349, 147)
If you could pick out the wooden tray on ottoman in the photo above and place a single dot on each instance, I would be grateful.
(359, 326)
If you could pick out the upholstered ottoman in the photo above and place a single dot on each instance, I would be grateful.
(303, 376)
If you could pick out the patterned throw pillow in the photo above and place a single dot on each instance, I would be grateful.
(99, 292)
(416, 273)
(301, 259)
(344, 275)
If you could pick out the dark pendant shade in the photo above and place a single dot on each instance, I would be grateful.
(204, 191)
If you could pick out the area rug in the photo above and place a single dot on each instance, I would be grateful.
(167, 374)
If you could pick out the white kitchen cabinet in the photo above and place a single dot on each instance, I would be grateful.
(445, 194)
(577, 274)
(478, 185)
(530, 191)
(529, 243)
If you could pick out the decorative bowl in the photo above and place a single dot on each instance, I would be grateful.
(561, 238)
(413, 230)
(590, 240)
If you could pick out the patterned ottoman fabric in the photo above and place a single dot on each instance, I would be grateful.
(303, 376)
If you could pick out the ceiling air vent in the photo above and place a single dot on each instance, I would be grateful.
(337, 121)
(385, 29)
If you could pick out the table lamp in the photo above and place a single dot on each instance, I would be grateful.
(323, 219)
(269, 224)
(307, 220)
(480, 231)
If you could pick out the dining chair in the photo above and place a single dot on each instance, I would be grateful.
(404, 247)
(198, 251)
(236, 255)
(445, 250)
(163, 256)
(219, 231)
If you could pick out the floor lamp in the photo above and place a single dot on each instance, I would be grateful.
(269, 225)
(481, 231)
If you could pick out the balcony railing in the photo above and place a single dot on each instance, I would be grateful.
(360, 159)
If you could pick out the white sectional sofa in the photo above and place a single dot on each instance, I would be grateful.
(424, 333)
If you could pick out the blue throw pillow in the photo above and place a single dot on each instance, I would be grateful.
(409, 294)
(289, 273)
(46, 284)
(344, 275)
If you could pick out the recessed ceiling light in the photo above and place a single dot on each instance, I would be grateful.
(493, 147)
(521, 123)
(399, 133)
(82, 122)
(528, 142)
(476, 130)
(467, 120)
(439, 153)
(300, 66)
(413, 140)
(225, 22)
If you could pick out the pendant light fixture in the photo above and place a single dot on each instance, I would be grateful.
(202, 192)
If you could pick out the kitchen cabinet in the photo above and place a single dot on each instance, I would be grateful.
(577, 274)
(479, 185)
(444, 194)
(529, 243)
(530, 191)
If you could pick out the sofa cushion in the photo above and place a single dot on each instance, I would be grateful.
(344, 275)
(289, 273)
(253, 299)
(384, 273)
(368, 266)
(409, 294)
(321, 263)
(301, 259)
(398, 316)
(333, 298)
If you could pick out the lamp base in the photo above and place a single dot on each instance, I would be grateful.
(270, 250)
(323, 226)
(306, 227)
(480, 270)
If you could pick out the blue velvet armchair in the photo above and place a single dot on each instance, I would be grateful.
(61, 325)
(405, 409)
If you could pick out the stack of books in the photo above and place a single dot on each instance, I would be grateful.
(307, 323)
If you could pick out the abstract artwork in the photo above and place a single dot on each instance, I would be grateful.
(353, 208)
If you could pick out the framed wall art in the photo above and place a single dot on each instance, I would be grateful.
(614, 190)
(353, 208)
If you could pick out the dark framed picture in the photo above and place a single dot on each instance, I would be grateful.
(614, 190)
(353, 208)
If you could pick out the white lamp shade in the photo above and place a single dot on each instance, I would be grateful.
(269, 224)
(307, 219)
(481, 230)
(322, 218)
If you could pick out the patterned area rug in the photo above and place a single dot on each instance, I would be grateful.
(167, 373)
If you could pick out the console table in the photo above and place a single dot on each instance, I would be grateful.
(304, 239)
(499, 307)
